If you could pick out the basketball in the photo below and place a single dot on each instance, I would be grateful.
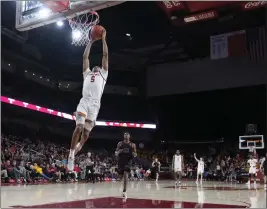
(97, 32)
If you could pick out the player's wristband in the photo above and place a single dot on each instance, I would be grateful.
(134, 154)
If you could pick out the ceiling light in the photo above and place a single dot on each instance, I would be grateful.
(25, 71)
(41, 77)
(128, 34)
(33, 74)
(60, 23)
(8, 64)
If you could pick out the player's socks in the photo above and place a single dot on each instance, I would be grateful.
(70, 165)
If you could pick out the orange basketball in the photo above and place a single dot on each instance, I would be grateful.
(97, 32)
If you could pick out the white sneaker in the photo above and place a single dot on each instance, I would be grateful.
(265, 186)
(248, 183)
(70, 165)
(124, 195)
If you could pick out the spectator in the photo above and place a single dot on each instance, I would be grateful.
(77, 171)
(4, 173)
(56, 173)
(12, 171)
(23, 172)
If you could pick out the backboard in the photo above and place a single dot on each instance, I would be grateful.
(245, 142)
(34, 14)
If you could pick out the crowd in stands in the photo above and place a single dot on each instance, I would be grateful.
(24, 160)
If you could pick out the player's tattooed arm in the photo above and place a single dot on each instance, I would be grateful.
(86, 63)
(105, 52)
(118, 150)
(134, 150)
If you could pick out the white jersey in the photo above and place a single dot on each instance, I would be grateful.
(177, 162)
(252, 162)
(200, 166)
(94, 83)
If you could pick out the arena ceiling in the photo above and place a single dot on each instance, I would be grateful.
(156, 35)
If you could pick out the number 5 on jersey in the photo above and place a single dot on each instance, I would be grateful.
(93, 78)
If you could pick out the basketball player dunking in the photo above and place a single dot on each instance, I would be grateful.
(156, 166)
(94, 82)
(200, 168)
(252, 168)
(178, 166)
(125, 151)
(264, 169)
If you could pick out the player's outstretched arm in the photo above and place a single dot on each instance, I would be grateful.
(86, 63)
(195, 157)
(105, 52)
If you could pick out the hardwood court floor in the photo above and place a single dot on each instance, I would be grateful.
(141, 194)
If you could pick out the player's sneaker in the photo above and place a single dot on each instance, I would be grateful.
(265, 186)
(176, 183)
(124, 195)
(248, 183)
(70, 165)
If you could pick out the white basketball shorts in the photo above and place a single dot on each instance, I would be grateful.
(178, 169)
(200, 171)
(252, 170)
(89, 108)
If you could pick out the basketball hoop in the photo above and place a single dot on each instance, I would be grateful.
(81, 26)
(251, 148)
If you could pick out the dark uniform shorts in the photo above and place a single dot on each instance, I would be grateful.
(124, 165)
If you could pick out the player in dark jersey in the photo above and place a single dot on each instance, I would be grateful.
(125, 151)
(263, 168)
(156, 166)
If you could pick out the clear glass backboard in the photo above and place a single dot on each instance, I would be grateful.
(34, 14)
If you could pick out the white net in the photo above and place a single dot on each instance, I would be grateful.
(251, 148)
(81, 27)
